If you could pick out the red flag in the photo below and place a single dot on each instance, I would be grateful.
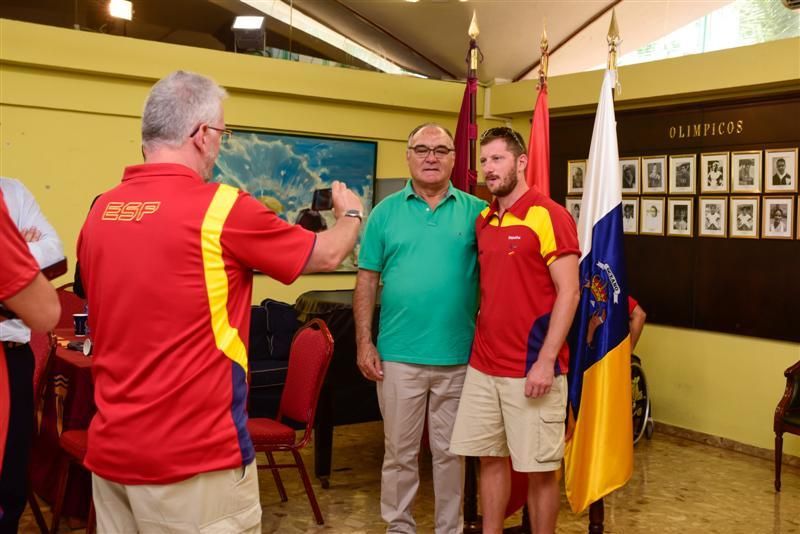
(538, 172)
(463, 177)
(538, 176)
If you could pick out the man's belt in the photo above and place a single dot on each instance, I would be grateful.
(9, 345)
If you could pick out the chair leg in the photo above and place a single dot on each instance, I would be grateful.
(277, 476)
(778, 458)
(58, 502)
(37, 512)
(91, 521)
(309, 489)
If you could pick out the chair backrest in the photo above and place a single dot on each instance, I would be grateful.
(43, 346)
(70, 303)
(309, 358)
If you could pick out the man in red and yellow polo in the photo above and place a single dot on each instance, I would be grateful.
(515, 393)
(167, 259)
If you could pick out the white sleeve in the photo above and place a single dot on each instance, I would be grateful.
(26, 214)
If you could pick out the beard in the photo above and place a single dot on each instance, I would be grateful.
(506, 184)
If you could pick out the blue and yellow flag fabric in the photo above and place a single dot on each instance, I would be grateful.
(599, 453)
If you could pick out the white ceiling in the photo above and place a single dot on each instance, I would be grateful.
(430, 36)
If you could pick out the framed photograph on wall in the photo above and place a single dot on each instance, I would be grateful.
(712, 217)
(653, 173)
(746, 172)
(780, 170)
(682, 174)
(629, 171)
(651, 221)
(680, 220)
(714, 172)
(573, 205)
(282, 171)
(778, 217)
(630, 215)
(744, 217)
(576, 173)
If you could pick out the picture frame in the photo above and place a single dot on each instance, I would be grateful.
(576, 175)
(780, 170)
(682, 174)
(680, 217)
(746, 172)
(630, 215)
(714, 175)
(712, 217)
(777, 217)
(573, 205)
(283, 170)
(653, 174)
(651, 221)
(630, 175)
(743, 220)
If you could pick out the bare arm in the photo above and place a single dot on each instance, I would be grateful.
(37, 304)
(638, 317)
(564, 272)
(364, 297)
(333, 246)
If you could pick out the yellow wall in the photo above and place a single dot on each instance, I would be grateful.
(70, 105)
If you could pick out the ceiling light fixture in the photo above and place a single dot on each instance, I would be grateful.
(121, 9)
(248, 23)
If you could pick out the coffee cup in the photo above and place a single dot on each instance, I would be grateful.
(80, 320)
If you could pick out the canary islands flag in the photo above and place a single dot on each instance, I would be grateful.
(599, 453)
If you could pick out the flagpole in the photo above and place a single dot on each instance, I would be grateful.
(472, 74)
(472, 522)
(597, 508)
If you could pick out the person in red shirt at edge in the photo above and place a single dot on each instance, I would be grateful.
(26, 294)
(167, 260)
(515, 392)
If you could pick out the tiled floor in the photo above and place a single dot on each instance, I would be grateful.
(678, 486)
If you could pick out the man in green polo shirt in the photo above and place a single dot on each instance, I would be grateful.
(421, 242)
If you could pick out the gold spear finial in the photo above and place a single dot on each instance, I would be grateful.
(473, 35)
(544, 47)
(613, 41)
(474, 31)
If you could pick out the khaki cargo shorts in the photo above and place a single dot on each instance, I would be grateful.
(495, 418)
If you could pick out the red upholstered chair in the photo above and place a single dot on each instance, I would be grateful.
(70, 303)
(309, 358)
(787, 416)
(43, 347)
(73, 445)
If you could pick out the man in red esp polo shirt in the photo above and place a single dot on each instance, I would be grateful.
(515, 393)
(166, 259)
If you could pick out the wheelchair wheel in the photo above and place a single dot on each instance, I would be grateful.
(641, 402)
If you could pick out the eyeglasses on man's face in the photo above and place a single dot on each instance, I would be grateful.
(224, 133)
(439, 152)
(506, 133)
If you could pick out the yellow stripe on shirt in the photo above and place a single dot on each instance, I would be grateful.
(226, 336)
(538, 220)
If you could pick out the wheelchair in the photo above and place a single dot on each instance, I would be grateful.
(642, 414)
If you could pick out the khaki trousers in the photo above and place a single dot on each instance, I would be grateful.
(218, 502)
(405, 394)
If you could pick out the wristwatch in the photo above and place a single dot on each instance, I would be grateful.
(354, 213)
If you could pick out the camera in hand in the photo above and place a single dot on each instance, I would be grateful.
(323, 199)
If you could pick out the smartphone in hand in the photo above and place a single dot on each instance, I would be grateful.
(323, 200)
